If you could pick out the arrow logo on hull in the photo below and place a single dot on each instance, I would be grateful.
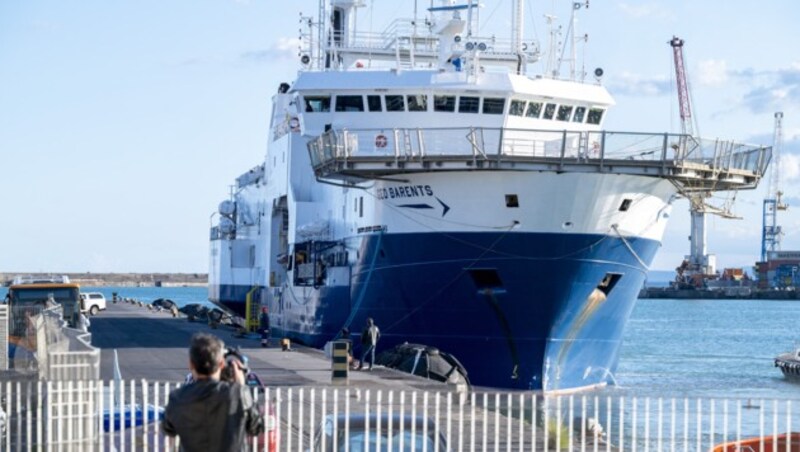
(445, 207)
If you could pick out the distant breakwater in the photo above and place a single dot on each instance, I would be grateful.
(120, 279)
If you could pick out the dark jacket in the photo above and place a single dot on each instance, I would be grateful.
(212, 416)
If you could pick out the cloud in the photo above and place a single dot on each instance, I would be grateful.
(770, 90)
(283, 49)
(712, 72)
(631, 84)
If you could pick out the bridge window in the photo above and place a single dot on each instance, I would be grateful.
(395, 103)
(349, 103)
(444, 103)
(517, 108)
(549, 111)
(580, 113)
(318, 104)
(595, 116)
(417, 102)
(494, 106)
(468, 104)
(534, 110)
(374, 103)
(564, 112)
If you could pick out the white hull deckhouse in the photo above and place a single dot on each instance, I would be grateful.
(423, 178)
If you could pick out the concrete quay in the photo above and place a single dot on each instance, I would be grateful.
(154, 346)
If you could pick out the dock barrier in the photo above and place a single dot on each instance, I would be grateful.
(123, 416)
(340, 365)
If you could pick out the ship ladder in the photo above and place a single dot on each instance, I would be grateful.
(407, 148)
(252, 309)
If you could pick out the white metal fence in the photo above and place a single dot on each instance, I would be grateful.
(45, 346)
(123, 416)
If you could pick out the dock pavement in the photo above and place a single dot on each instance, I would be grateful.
(155, 346)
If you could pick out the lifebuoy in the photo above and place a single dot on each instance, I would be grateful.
(381, 141)
(294, 125)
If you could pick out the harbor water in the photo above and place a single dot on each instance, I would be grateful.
(671, 348)
(708, 348)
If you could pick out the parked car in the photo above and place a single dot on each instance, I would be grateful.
(394, 432)
(93, 302)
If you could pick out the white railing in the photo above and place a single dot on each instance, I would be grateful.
(412, 144)
(608, 150)
(124, 416)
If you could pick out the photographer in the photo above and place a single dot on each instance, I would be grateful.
(210, 414)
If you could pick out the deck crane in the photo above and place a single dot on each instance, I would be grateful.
(698, 265)
(771, 233)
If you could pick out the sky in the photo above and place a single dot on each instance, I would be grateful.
(123, 124)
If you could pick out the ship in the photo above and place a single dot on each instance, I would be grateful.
(422, 177)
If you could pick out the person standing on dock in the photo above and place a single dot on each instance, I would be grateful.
(369, 340)
(209, 414)
(263, 326)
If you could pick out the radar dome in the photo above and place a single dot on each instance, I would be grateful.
(226, 225)
(227, 208)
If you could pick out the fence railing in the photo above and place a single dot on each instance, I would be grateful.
(347, 148)
(124, 416)
(44, 346)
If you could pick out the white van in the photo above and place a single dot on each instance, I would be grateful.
(93, 302)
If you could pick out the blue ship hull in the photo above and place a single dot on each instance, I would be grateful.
(519, 310)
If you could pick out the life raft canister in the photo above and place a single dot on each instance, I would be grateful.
(381, 141)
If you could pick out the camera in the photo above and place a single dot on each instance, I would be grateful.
(232, 354)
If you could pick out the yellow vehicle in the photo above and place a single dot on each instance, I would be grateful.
(27, 298)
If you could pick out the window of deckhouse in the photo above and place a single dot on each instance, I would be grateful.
(549, 111)
(534, 110)
(374, 103)
(517, 108)
(318, 104)
(468, 104)
(444, 103)
(417, 102)
(564, 112)
(494, 105)
(395, 103)
(580, 113)
(595, 116)
(349, 103)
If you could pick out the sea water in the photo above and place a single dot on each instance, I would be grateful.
(671, 348)
(708, 348)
